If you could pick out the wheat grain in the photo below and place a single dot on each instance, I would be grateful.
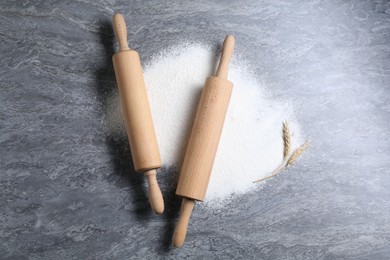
(286, 140)
(298, 152)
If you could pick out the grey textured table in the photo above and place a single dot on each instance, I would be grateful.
(67, 189)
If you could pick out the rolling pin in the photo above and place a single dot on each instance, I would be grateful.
(136, 113)
(203, 142)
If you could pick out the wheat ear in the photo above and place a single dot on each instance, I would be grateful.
(298, 152)
(286, 140)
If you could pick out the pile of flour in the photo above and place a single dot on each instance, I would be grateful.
(251, 145)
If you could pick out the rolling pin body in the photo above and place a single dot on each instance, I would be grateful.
(136, 113)
(204, 140)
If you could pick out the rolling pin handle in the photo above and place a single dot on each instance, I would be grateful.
(227, 52)
(121, 31)
(155, 195)
(179, 235)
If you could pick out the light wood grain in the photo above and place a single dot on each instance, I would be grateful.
(204, 140)
(120, 31)
(227, 52)
(136, 113)
(203, 143)
(180, 233)
(155, 195)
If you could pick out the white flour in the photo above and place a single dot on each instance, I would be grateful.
(251, 145)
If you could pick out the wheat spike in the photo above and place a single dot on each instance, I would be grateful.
(298, 152)
(286, 140)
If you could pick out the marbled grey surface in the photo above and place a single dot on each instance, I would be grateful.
(67, 189)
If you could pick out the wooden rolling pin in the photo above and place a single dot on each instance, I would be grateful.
(136, 113)
(203, 143)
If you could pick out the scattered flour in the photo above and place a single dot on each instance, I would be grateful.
(251, 145)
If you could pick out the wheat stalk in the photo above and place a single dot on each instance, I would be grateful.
(273, 174)
(286, 140)
(287, 161)
(298, 152)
